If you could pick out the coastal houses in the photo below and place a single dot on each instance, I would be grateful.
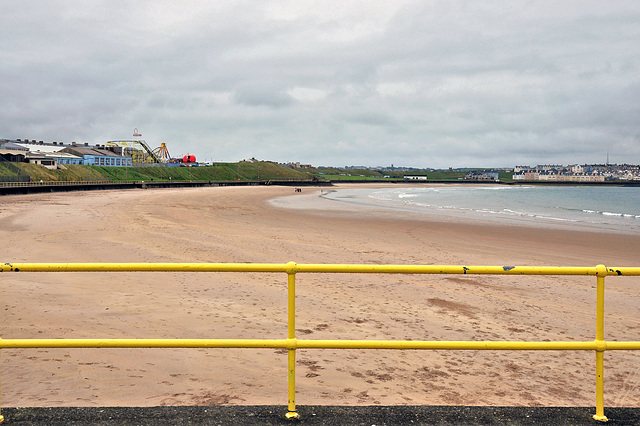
(579, 173)
(482, 176)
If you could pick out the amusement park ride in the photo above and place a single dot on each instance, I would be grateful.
(140, 152)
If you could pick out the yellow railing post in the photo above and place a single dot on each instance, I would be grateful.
(291, 338)
(600, 344)
(1, 416)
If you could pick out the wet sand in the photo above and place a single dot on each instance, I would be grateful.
(241, 225)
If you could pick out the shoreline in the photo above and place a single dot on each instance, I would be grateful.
(17, 188)
(239, 225)
(319, 201)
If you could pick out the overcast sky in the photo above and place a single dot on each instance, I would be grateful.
(413, 83)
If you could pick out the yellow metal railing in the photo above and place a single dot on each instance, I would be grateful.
(291, 343)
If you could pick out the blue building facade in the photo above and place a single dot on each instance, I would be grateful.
(99, 156)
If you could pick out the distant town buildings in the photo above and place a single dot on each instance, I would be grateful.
(482, 175)
(577, 172)
(297, 165)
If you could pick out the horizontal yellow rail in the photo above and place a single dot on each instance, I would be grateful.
(316, 268)
(317, 344)
(143, 343)
(291, 343)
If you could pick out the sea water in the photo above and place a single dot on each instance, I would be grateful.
(600, 207)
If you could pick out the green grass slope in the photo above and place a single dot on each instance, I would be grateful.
(218, 172)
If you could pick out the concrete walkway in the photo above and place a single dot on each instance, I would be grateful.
(318, 415)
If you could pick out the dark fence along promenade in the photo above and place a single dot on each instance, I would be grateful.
(8, 188)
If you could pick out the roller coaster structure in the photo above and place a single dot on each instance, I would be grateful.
(162, 152)
(140, 152)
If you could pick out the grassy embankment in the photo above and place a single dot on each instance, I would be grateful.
(217, 172)
(11, 172)
(259, 171)
(364, 175)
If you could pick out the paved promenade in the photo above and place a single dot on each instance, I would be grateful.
(318, 415)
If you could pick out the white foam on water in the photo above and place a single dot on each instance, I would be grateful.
(600, 208)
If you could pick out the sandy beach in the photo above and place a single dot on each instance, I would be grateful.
(240, 224)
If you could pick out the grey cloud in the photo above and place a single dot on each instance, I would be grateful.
(431, 84)
(260, 96)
